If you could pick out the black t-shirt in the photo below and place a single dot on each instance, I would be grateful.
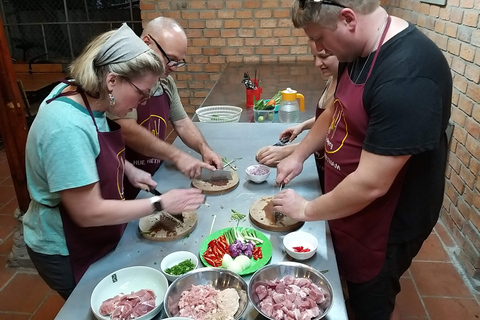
(408, 99)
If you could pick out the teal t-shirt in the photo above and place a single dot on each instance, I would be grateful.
(60, 154)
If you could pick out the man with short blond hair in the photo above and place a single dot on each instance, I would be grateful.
(385, 147)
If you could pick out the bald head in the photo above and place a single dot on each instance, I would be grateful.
(169, 35)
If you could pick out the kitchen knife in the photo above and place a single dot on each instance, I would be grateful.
(215, 175)
(283, 141)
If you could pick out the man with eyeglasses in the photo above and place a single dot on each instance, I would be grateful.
(144, 129)
(385, 147)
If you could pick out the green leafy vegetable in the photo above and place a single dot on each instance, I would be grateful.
(268, 104)
(237, 216)
(181, 268)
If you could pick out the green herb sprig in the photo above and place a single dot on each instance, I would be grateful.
(237, 216)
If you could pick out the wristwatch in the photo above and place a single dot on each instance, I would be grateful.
(157, 203)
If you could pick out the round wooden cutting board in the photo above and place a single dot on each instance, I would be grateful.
(159, 227)
(263, 216)
(217, 186)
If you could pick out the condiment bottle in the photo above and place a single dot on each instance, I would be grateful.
(289, 110)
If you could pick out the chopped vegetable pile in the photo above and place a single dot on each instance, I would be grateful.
(258, 171)
(301, 249)
(181, 268)
(234, 249)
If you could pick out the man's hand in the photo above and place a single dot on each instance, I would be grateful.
(288, 168)
(290, 204)
(212, 158)
(190, 166)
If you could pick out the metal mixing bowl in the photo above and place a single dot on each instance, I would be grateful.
(216, 277)
(296, 270)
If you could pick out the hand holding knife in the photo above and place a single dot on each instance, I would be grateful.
(154, 191)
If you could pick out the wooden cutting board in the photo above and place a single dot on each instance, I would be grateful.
(158, 227)
(217, 186)
(263, 216)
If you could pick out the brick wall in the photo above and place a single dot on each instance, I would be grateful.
(228, 31)
(251, 31)
(454, 28)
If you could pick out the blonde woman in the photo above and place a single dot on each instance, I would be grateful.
(75, 161)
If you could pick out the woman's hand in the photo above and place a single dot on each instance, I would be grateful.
(292, 132)
(272, 155)
(138, 178)
(179, 200)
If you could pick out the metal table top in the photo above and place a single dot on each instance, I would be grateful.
(232, 140)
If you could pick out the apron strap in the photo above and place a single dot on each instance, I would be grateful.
(384, 34)
(73, 92)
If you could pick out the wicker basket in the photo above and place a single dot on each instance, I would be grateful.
(219, 114)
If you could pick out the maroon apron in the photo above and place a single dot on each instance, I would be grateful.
(153, 116)
(320, 154)
(87, 245)
(360, 240)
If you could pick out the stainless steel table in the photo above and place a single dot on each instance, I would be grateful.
(233, 140)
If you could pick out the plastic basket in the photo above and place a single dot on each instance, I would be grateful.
(219, 114)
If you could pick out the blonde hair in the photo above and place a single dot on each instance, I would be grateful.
(325, 15)
(90, 77)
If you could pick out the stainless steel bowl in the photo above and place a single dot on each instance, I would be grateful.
(216, 277)
(296, 270)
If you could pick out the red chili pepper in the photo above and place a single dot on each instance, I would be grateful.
(301, 249)
(257, 253)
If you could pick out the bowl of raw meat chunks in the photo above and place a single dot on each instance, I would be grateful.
(129, 293)
(290, 290)
(207, 293)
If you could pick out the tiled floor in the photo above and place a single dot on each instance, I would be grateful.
(432, 289)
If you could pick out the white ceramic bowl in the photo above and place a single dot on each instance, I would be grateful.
(129, 280)
(254, 173)
(175, 258)
(297, 239)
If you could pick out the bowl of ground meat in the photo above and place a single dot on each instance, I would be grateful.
(130, 293)
(207, 294)
(290, 290)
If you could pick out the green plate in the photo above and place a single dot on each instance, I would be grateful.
(256, 264)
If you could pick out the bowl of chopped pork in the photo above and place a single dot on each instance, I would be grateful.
(290, 290)
(130, 293)
(207, 293)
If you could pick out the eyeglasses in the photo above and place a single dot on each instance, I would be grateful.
(303, 3)
(144, 96)
(170, 63)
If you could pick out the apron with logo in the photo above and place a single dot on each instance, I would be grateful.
(153, 116)
(88, 244)
(360, 240)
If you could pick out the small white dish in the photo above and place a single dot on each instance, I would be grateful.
(175, 258)
(300, 239)
(257, 173)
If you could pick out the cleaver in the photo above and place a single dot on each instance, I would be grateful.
(215, 175)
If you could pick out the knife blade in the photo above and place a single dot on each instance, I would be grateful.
(154, 191)
(215, 175)
(283, 141)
